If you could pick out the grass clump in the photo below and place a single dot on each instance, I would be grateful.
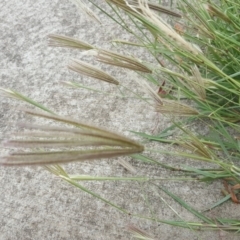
(198, 53)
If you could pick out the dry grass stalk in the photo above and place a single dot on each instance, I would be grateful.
(91, 71)
(85, 142)
(56, 40)
(165, 28)
(119, 60)
(167, 106)
(127, 166)
(215, 12)
(125, 5)
(139, 233)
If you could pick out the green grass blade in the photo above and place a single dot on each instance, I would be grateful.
(218, 203)
(93, 194)
(186, 206)
(19, 96)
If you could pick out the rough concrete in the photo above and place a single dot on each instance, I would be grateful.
(36, 205)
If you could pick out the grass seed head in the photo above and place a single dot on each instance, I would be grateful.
(123, 61)
(55, 40)
(91, 71)
(63, 145)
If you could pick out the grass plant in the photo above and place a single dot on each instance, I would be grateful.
(197, 52)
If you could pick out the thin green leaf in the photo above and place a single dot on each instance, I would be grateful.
(186, 206)
(18, 96)
(218, 203)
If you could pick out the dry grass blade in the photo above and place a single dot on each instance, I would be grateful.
(84, 142)
(127, 166)
(156, 98)
(139, 233)
(126, 6)
(215, 12)
(91, 71)
(119, 60)
(165, 29)
(56, 40)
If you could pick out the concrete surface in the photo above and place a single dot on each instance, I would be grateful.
(36, 205)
